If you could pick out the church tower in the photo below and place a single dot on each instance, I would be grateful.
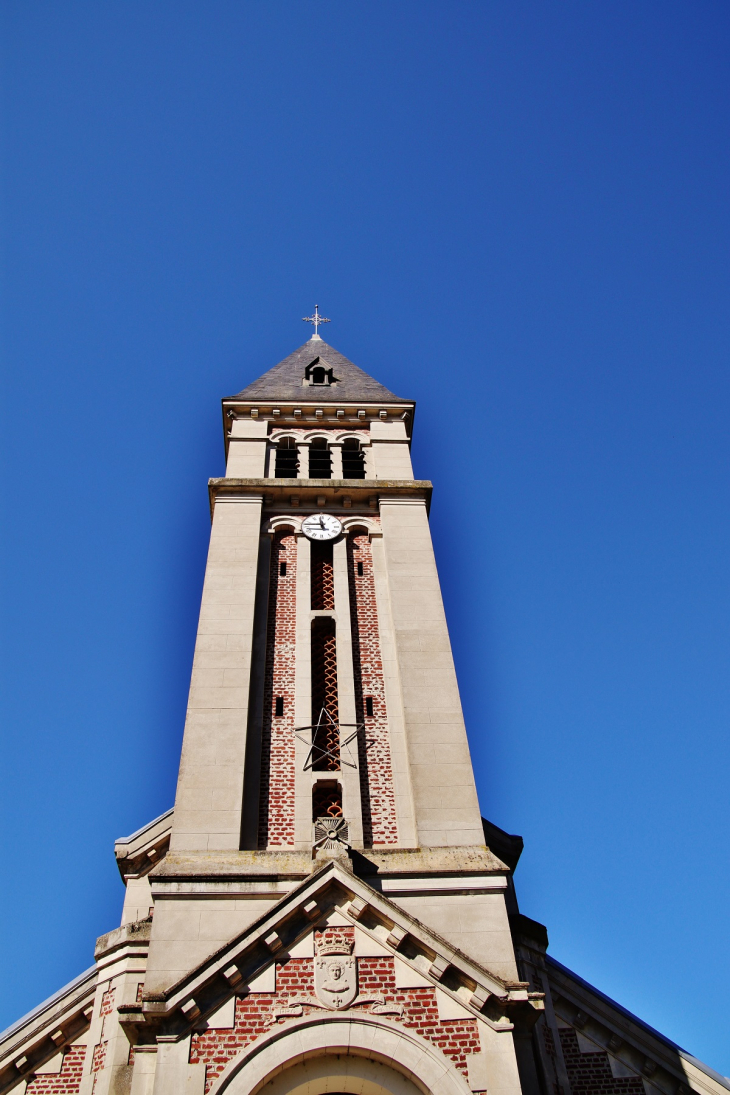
(324, 910)
(326, 845)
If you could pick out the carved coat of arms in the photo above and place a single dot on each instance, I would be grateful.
(335, 976)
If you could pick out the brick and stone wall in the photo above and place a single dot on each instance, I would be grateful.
(65, 1082)
(276, 799)
(257, 1012)
(376, 770)
(590, 1073)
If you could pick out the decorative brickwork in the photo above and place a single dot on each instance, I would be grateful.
(97, 1061)
(259, 1011)
(376, 770)
(276, 798)
(590, 1073)
(107, 1002)
(324, 696)
(323, 577)
(65, 1082)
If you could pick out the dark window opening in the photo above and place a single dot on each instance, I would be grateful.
(287, 459)
(282, 569)
(359, 570)
(320, 461)
(325, 711)
(323, 577)
(279, 705)
(369, 706)
(319, 376)
(326, 800)
(353, 460)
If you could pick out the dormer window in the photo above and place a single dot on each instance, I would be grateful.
(318, 372)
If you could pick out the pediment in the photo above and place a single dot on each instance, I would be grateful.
(332, 896)
(35, 1042)
(137, 854)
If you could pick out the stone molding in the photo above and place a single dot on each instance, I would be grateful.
(334, 888)
(351, 1034)
(360, 491)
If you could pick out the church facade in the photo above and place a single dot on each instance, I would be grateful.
(325, 909)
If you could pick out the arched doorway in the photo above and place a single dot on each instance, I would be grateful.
(340, 1054)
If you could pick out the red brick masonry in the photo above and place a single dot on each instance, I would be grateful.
(590, 1073)
(65, 1082)
(276, 801)
(456, 1038)
(376, 770)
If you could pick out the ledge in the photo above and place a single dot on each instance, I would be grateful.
(232, 865)
(294, 865)
(438, 861)
(280, 490)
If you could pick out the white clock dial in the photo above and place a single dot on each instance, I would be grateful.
(321, 526)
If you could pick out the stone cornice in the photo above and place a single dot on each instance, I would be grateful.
(264, 865)
(307, 491)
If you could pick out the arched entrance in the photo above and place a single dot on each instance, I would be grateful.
(342, 1054)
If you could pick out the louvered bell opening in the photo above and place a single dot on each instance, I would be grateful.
(287, 459)
(353, 460)
(320, 461)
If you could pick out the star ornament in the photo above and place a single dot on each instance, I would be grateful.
(313, 735)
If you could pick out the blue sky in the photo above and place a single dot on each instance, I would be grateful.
(515, 213)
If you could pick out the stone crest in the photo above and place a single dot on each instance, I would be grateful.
(335, 975)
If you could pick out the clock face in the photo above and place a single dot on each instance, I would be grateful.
(321, 526)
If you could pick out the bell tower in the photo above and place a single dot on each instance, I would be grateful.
(324, 910)
(323, 673)
(324, 720)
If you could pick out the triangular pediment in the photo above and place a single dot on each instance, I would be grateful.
(332, 896)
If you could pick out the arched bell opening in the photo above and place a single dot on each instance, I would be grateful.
(353, 459)
(320, 459)
(286, 464)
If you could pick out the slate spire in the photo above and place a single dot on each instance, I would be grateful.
(291, 379)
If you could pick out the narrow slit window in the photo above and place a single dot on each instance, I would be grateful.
(369, 706)
(359, 570)
(279, 705)
(282, 570)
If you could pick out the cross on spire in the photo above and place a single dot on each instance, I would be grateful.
(316, 319)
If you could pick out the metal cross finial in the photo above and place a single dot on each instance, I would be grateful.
(316, 319)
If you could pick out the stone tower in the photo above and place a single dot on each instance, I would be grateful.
(325, 910)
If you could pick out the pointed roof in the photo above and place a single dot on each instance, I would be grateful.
(350, 383)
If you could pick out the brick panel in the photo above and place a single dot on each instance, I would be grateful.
(276, 800)
(590, 1073)
(456, 1038)
(376, 769)
(65, 1082)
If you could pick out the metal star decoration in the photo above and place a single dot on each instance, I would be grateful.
(320, 752)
